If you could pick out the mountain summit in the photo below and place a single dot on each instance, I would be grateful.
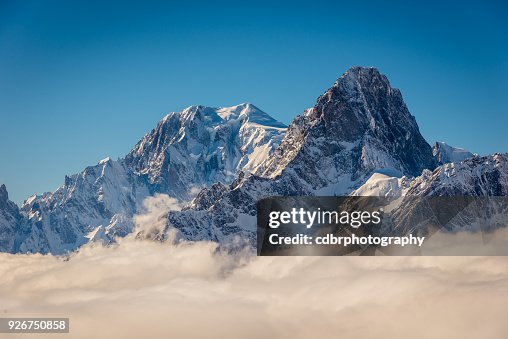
(201, 145)
(359, 126)
(362, 107)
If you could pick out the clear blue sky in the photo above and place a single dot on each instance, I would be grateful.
(81, 80)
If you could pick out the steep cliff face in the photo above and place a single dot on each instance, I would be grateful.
(11, 222)
(359, 125)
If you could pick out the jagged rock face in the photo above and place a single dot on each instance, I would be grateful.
(445, 153)
(187, 151)
(462, 181)
(99, 200)
(10, 222)
(234, 207)
(477, 176)
(194, 148)
(359, 125)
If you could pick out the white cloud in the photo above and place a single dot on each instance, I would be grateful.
(144, 289)
(152, 219)
(193, 191)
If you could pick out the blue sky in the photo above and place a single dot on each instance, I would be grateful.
(82, 80)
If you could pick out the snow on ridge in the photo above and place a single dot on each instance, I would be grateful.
(382, 185)
(104, 161)
(249, 112)
(445, 153)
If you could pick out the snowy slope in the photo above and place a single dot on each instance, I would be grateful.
(187, 151)
(463, 181)
(445, 153)
(382, 185)
(194, 148)
(477, 176)
(226, 213)
(104, 195)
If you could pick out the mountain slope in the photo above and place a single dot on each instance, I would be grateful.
(202, 145)
(11, 222)
(101, 199)
(187, 151)
(477, 176)
(455, 197)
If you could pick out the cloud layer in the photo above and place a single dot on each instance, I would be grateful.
(146, 289)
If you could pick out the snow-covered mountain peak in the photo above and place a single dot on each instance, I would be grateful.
(212, 143)
(445, 153)
(185, 152)
(6, 206)
(212, 116)
(227, 113)
(359, 99)
(357, 80)
(249, 112)
(359, 138)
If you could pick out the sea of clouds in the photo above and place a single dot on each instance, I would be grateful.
(146, 289)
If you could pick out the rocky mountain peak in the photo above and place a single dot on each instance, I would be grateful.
(365, 77)
(361, 101)
(4, 196)
(363, 124)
